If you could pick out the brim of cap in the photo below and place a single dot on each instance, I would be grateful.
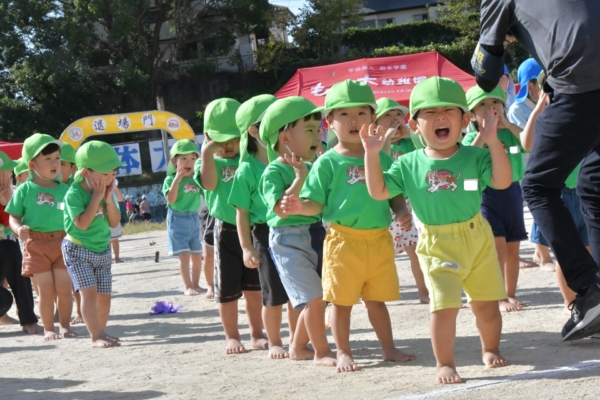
(440, 104)
(480, 98)
(400, 107)
(325, 112)
(57, 142)
(8, 166)
(522, 95)
(109, 166)
(221, 137)
(185, 152)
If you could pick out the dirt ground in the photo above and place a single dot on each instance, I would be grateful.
(181, 356)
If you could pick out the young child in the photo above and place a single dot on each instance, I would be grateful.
(215, 174)
(89, 212)
(503, 209)
(67, 163)
(290, 130)
(445, 180)
(391, 114)
(183, 224)
(358, 258)
(569, 196)
(36, 217)
(251, 217)
(21, 172)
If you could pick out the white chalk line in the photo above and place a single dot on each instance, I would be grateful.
(582, 366)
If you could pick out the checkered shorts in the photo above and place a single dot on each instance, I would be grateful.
(87, 268)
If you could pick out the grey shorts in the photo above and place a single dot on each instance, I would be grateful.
(296, 262)
(87, 268)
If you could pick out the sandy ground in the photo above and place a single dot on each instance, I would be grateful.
(182, 355)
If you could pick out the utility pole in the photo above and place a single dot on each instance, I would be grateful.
(160, 105)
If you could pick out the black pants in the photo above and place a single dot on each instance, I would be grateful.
(11, 261)
(566, 133)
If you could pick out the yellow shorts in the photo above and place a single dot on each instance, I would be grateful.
(460, 256)
(359, 263)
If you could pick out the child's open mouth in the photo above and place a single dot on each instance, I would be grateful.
(354, 132)
(442, 132)
(313, 148)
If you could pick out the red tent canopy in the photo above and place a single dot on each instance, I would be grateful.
(12, 150)
(392, 77)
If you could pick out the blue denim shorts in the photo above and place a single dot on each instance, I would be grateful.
(183, 232)
(503, 209)
(571, 201)
(296, 262)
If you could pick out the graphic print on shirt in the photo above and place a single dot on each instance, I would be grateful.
(356, 174)
(396, 155)
(190, 188)
(441, 180)
(45, 198)
(100, 212)
(228, 173)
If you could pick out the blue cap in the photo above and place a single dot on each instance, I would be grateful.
(528, 71)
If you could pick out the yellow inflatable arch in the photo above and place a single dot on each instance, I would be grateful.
(81, 129)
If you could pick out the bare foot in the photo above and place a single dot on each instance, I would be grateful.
(302, 354)
(77, 320)
(103, 342)
(67, 333)
(517, 303)
(233, 346)
(548, 267)
(111, 337)
(328, 360)
(398, 356)
(447, 374)
(259, 343)
(523, 263)
(51, 335)
(33, 329)
(191, 292)
(6, 320)
(118, 261)
(210, 293)
(424, 298)
(493, 359)
(345, 363)
(507, 306)
(277, 353)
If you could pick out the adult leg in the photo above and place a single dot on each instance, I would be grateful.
(6, 300)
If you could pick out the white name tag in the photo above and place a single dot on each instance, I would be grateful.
(60, 206)
(514, 149)
(471, 184)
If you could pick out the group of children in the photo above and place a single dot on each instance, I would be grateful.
(269, 192)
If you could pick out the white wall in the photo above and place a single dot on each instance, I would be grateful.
(400, 17)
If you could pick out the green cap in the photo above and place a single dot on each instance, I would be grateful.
(97, 156)
(477, 94)
(281, 113)
(184, 146)
(219, 120)
(250, 113)
(67, 153)
(385, 104)
(348, 94)
(34, 144)
(437, 92)
(6, 164)
(20, 167)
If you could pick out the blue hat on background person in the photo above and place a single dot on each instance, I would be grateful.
(528, 71)
(506, 71)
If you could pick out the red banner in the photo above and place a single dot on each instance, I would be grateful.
(12, 150)
(392, 77)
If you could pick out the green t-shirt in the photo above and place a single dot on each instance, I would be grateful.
(338, 183)
(513, 148)
(276, 179)
(96, 237)
(245, 193)
(404, 146)
(41, 208)
(188, 194)
(442, 191)
(571, 182)
(218, 200)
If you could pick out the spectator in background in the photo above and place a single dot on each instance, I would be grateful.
(145, 210)
(128, 206)
(135, 214)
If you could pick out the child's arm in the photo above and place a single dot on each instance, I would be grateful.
(301, 171)
(293, 205)
(209, 177)
(373, 141)
(504, 123)
(112, 210)
(22, 231)
(242, 219)
(400, 209)
(84, 220)
(527, 134)
(478, 141)
(174, 190)
(501, 169)
(5, 190)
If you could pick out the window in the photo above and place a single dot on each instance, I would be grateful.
(387, 21)
(370, 23)
(420, 17)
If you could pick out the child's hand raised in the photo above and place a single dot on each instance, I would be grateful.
(180, 172)
(393, 132)
(372, 139)
(291, 204)
(489, 128)
(97, 185)
(109, 190)
(212, 147)
(298, 164)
